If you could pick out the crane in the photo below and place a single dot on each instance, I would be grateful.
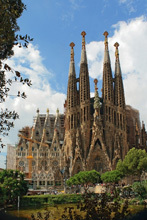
(30, 157)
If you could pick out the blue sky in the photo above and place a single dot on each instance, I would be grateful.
(54, 24)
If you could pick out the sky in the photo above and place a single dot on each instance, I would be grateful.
(54, 24)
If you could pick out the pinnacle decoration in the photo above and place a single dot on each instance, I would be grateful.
(72, 51)
(106, 39)
(83, 38)
(96, 98)
(116, 45)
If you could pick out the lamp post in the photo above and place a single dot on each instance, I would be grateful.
(18, 201)
(63, 172)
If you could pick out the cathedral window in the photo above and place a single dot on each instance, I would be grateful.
(37, 133)
(21, 148)
(34, 154)
(114, 118)
(42, 183)
(21, 163)
(121, 121)
(78, 119)
(87, 113)
(117, 120)
(71, 121)
(49, 183)
(84, 113)
(75, 120)
(33, 163)
(109, 114)
(55, 163)
(47, 133)
(78, 160)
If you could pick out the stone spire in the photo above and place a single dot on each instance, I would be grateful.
(107, 90)
(96, 98)
(84, 74)
(119, 98)
(84, 95)
(117, 63)
(72, 64)
(72, 86)
(83, 52)
(106, 53)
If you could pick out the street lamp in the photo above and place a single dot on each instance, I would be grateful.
(63, 172)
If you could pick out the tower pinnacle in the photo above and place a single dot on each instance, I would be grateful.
(83, 53)
(95, 82)
(116, 45)
(72, 51)
(83, 38)
(96, 98)
(106, 39)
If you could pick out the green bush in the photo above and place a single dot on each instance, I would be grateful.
(140, 189)
(50, 199)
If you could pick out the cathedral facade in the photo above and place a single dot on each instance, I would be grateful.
(100, 130)
(93, 133)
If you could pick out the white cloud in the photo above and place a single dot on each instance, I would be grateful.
(131, 36)
(40, 95)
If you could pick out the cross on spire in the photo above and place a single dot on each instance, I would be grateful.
(106, 39)
(72, 51)
(95, 82)
(83, 38)
(116, 45)
(72, 45)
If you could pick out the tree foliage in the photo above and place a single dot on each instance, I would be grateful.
(134, 163)
(140, 188)
(111, 176)
(92, 207)
(12, 185)
(10, 11)
(84, 177)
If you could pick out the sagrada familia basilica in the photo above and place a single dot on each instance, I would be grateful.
(93, 133)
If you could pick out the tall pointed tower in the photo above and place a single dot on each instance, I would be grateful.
(107, 91)
(119, 98)
(84, 94)
(119, 101)
(72, 93)
(70, 115)
(108, 100)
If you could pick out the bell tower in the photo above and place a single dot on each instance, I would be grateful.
(84, 94)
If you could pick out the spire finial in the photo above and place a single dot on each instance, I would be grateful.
(57, 111)
(47, 110)
(72, 51)
(96, 99)
(116, 51)
(95, 82)
(83, 38)
(106, 39)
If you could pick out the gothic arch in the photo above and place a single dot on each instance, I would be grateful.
(97, 144)
(115, 160)
(77, 166)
